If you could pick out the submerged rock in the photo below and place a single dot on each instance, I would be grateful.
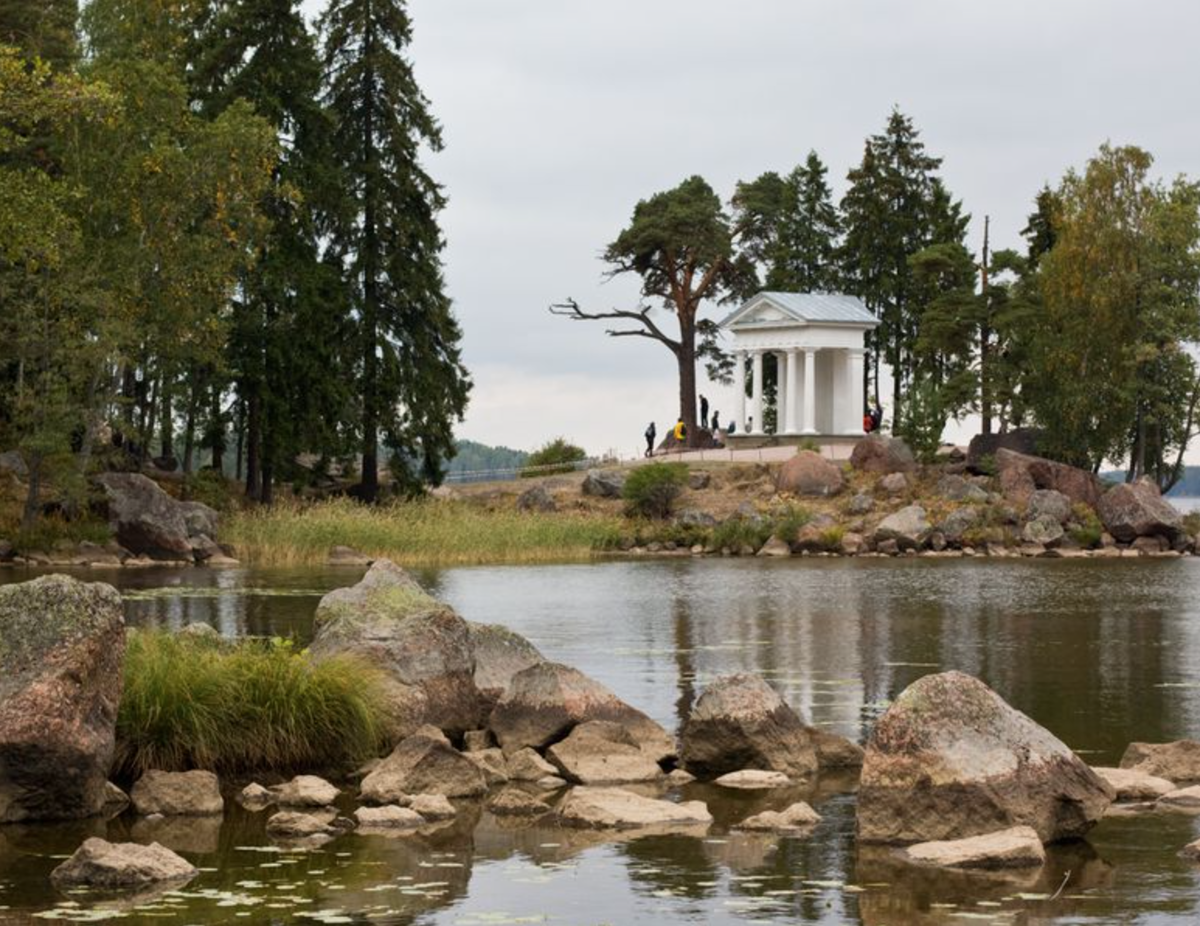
(615, 808)
(292, 824)
(753, 779)
(422, 646)
(62, 647)
(1132, 785)
(255, 797)
(950, 759)
(500, 654)
(740, 722)
(194, 793)
(115, 866)
(306, 791)
(423, 764)
(796, 817)
(600, 752)
(390, 816)
(547, 700)
(1177, 761)
(1016, 847)
(513, 802)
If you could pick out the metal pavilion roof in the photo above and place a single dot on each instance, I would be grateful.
(829, 308)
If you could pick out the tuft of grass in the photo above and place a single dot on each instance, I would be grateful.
(417, 533)
(736, 533)
(650, 491)
(1087, 531)
(1191, 523)
(191, 702)
(50, 530)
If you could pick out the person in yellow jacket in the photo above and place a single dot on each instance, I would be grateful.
(680, 431)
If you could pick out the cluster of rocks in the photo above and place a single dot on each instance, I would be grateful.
(149, 528)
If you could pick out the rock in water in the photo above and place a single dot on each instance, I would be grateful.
(1177, 761)
(1136, 509)
(615, 808)
(740, 722)
(388, 817)
(950, 759)
(809, 473)
(194, 793)
(602, 753)
(292, 824)
(545, 701)
(1132, 785)
(422, 646)
(513, 802)
(62, 647)
(306, 791)
(500, 654)
(753, 779)
(1016, 847)
(146, 519)
(433, 806)
(423, 764)
(114, 866)
(797, 817)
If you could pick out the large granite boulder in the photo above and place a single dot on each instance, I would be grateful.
(500, 654)
(420, 644)
(880, 454)
(192, 794)
(982, 451)
(741, 722)
(1021, 476)
(956, 488)
(546, 701)
(604, 483)
(950, 759)
(908, 527)
(424, 763)
(602, 753)
(957, 523)
(103, 865)
(809, 473)
(146, 520)
(1049, 503)
(1136, 509)
(62, 647)
(1045, 529)
(306, 791)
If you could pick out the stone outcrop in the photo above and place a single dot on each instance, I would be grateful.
(420, 644)
(957, 523)
(110, 866)
(1022, 475)
(950, 759)
(526, 765)
(798, 816)
(1132, 785)
(1049, 503)
(537, 499)
(1136, 509)
(149, 522)
(1045, 529)
(513, 802)
(981, 452)
(433, 806)
(306, 791)
(603, 483)
(1177, 761)
(809, 473)
(293, 824)
(600, 752)
(500, 654)
(615, 808)
(908, 527)
(1016, 847)
(62, 645)
(190, 794)
(492, 763)
(740, 722)
(546, 701)
(835, 751)
(255, 797)
(880, 454)
(423, 764)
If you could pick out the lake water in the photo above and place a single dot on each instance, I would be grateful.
(1100, 652)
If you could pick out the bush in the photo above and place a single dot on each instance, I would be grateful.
(786, 523)
(650, 491)
(192, 702)
(211, 488)
(1087, 529)
(1191, 523)
(923, 420)
(559, 455)
(831, 538)
(736, 533)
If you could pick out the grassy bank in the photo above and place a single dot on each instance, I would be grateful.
(194, 702)
(417, 533)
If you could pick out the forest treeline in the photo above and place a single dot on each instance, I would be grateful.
(1083, 330)
(218, 235)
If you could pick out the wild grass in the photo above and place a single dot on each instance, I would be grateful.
(227, 707)
(418, 533)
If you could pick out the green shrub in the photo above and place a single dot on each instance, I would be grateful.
(650, 490)
(192, 702)
(559, 455)
(831, 538)
(211, 488)
(1191, 523)
(1087, 529)
(736, 533)
(987, 465)
(810, 443)
(786, 523)
(923, 420)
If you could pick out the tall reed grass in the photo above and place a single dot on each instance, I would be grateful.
(256, 704)
(417, 533)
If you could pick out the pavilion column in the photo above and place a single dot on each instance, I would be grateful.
(809, 423)
(756, 401)
(793, 391)
(782, 400)
(739, 381)
(854, 389)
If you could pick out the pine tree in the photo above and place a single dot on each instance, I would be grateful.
(410, 379)
(43, 29)
(810, 227)
(288, 324)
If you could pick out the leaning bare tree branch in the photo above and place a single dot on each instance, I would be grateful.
(571, 309)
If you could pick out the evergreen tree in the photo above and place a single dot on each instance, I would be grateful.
(42, 29)
(288, 320)
(410, 379)
(810, 227)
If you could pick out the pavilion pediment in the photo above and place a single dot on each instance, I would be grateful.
(767, 314)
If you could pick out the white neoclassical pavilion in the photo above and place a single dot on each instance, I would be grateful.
(817, 340)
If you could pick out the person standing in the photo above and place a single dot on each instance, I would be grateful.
(651, 433)
(716, 422)
(703, 411)
(680, 431)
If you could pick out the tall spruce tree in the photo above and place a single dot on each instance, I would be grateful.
(42, 29)
(410, 379)
(288, 325)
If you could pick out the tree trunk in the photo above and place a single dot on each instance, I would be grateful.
(240, 425)
(985, 337)
(896, 402)
(32, 508)
(167, 445)
(218, 432)
(370, 314)
(686, 358)
(253, 444)
(189, 433)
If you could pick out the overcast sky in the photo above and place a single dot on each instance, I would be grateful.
(559, 115)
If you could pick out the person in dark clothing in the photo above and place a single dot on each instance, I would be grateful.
(651, 433)
(716, 422)
(703, 411)
(876, 418)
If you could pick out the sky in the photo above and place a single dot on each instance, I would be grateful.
(559, 115)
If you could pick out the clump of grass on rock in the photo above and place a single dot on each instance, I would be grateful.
(199, 702)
